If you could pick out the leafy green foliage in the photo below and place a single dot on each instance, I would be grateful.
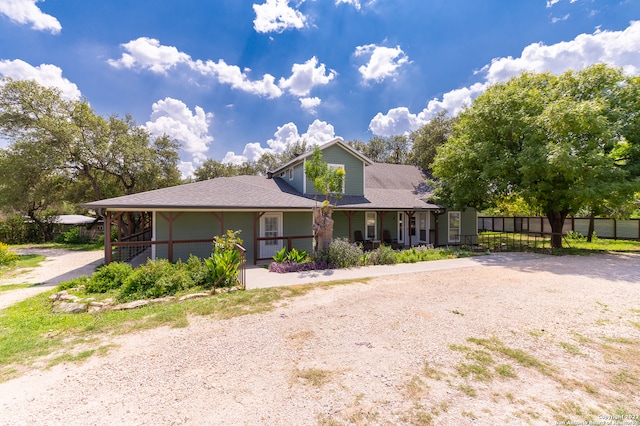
(326, 180)
(294, 255)
(109, 277)
(223, 267)
(383, 255)
(7, 256)
(155, 279)
(343, 254)
(72, 236)
(558, 143)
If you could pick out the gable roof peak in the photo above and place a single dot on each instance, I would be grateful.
(337, 141)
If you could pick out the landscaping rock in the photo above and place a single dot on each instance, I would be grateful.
(70, 307)
(131, 305)
(194, 296)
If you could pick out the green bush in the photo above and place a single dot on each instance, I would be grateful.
(156, 278)
(198, 271)
(223, 267)
(294, 255)
(383, 255)
(72, 236)
(344, 254)
(575, 236)
(7, 256)
(109, 277)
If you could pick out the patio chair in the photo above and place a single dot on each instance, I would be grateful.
(359, 239)
(387, 240)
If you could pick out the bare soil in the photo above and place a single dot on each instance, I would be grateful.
(539, 341)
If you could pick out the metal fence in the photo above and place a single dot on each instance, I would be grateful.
(509, 242)
(607, 228)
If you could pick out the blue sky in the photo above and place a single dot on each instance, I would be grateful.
(231, 79)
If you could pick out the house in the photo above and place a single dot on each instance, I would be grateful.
(380, 200)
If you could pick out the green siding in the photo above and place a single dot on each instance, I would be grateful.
(202, 225)
(353, 166)
(298, 177)
(468, 225)
(297, 224)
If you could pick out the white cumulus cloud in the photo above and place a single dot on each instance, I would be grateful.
(173, 118)
(318, 133)
(615, 48)
(355, 3)
(310, 104)
(305, 77)
(383, 61)
(46, 74)
(148, 53)
(277, 16)
(238, 79)
(26, 12)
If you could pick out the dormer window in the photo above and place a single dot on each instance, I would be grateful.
(282, 174)
(291, 173)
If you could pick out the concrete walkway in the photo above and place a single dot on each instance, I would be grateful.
(258, 277)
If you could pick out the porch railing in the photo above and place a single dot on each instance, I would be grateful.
(288, 239)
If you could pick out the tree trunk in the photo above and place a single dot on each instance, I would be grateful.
(322, 227)
(556, 220)
(591, 228)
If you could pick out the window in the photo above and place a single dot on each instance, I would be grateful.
(339, 166)
(454, 227)
(291, 173)
(271, 230)
(371, 227)
(270, 226)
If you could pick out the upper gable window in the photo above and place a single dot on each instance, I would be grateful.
(339, 166)
(291, 173)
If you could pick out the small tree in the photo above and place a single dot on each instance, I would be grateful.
(329, 182)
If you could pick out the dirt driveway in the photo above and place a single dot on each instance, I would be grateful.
(538, 341)
(60, 265)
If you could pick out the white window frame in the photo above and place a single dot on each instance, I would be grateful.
(290, 173)
(367, 215)
(339, 166)
(266, 247)
(457, 229)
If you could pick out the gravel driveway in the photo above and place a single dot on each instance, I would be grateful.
(537, 341)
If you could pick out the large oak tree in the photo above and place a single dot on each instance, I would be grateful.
(559, 143)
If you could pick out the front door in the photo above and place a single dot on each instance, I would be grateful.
(270, 226)
(419, 228)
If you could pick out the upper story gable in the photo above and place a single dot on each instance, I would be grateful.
(336, 154)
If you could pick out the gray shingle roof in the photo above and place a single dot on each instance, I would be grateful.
(388, 186)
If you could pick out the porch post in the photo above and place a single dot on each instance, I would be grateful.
(410, 215)
(108, 250)
(220, 218)
(381, 215)
(256, 220)
(350, 214)
(171, 218)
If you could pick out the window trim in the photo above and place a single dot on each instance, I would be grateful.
(291, 173)
(375, 225)
(339, 166)
(450, 228)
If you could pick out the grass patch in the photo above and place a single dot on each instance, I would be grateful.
(572, 349)
(468, 390)
(9, 287)
(506, 371)
(517, 355)
(25, 261)
(315, 376)
(29, 329)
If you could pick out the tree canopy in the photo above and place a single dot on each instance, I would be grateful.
(559, 143)
(62, 151)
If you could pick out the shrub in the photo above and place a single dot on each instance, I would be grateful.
(575, 236)
(155, 279)
(343, 254)
(383, 255)
(72, 236)
(79, 282)
(198, 271)
(109, 277)
(293, 256)
(289, 266)
(223, 267)
(7, 256)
